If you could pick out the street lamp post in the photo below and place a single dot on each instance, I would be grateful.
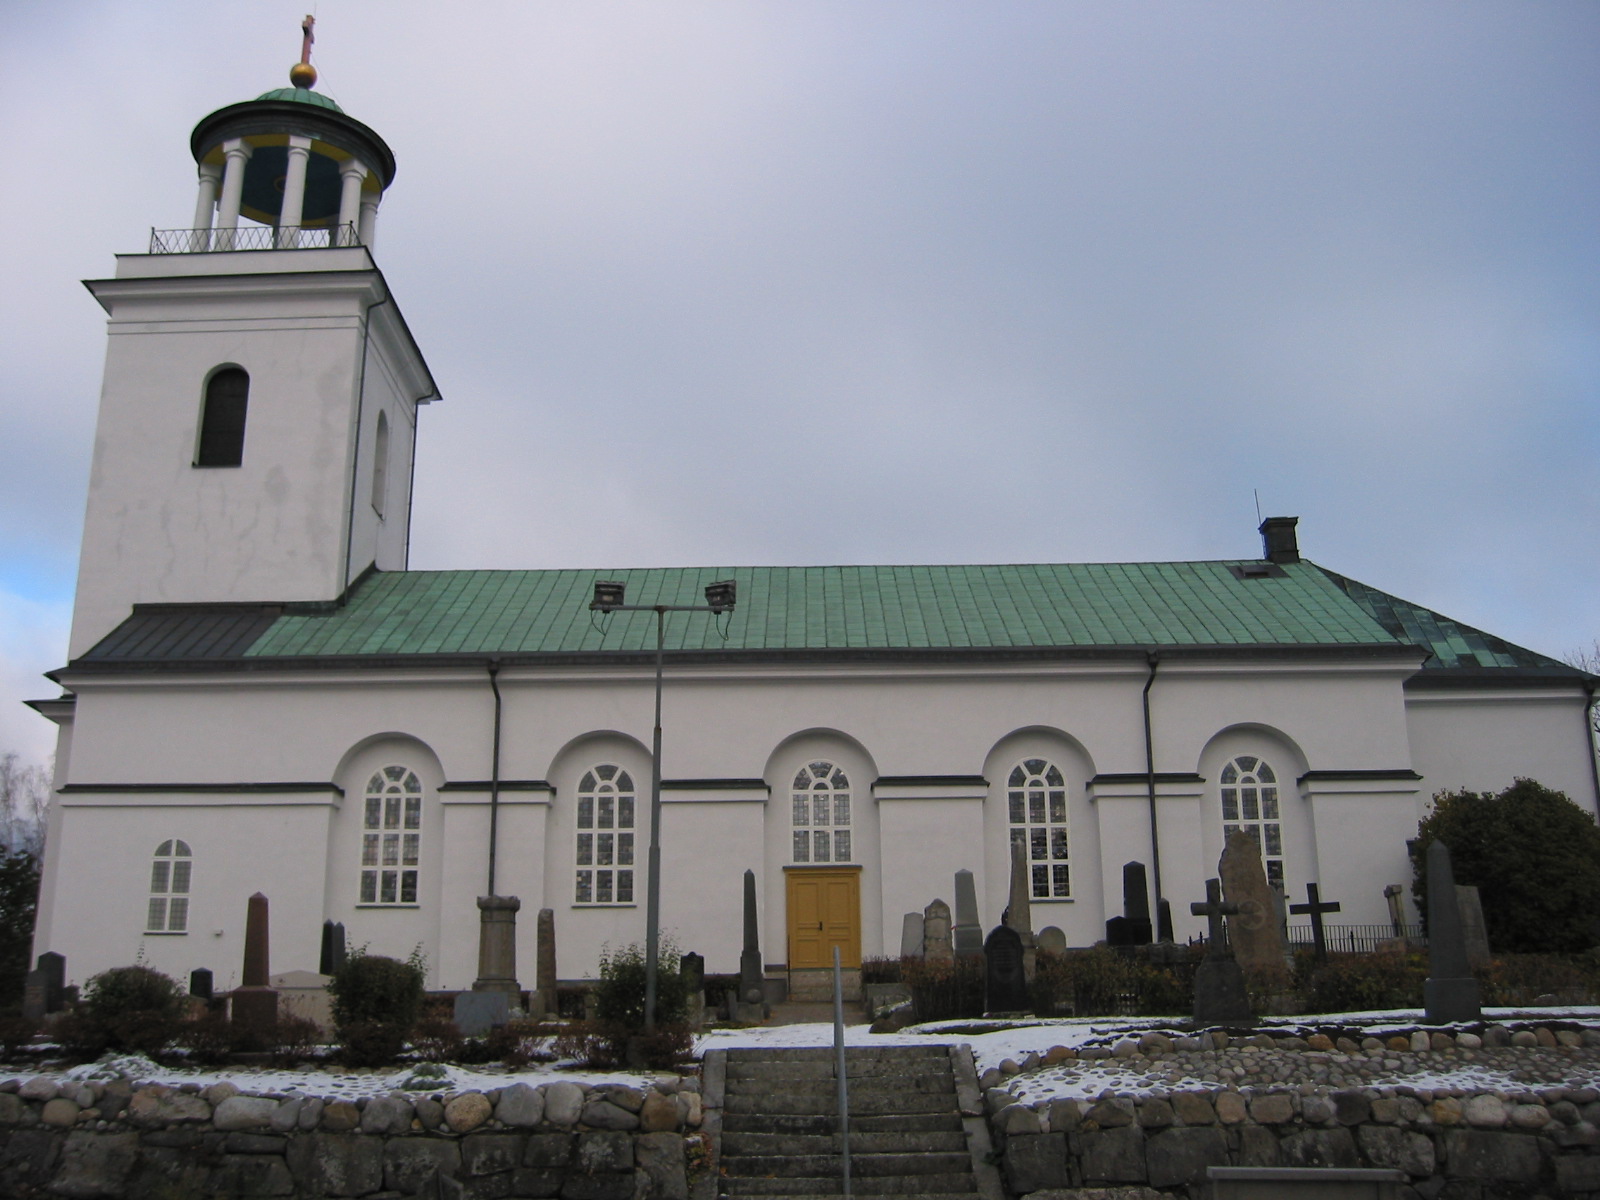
(608, 597)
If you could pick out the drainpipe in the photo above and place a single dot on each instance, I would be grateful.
(1153, 658)
(1594, 744)
(494, 778)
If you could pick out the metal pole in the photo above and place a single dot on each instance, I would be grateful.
(652, 903)
(839, 1069)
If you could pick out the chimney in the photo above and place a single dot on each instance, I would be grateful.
(1278, 543)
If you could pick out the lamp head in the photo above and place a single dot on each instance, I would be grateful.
(721, 595)
(608, 595)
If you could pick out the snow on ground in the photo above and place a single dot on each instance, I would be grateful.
(992, 1042)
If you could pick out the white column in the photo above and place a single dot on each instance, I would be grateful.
(369, 218)
(237, 151)
(350, 176)
(294, 191)
(205, 206)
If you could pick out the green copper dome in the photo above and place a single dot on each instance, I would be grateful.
(300, 96)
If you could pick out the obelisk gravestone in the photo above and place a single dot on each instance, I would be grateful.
(1450, 993)
(968, 929)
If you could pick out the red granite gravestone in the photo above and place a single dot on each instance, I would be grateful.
(255, 1005)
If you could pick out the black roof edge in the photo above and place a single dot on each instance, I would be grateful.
(628, 658)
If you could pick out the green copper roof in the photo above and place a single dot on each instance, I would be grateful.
(300, 96)
(837, 608)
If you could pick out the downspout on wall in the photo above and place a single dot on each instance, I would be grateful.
(1163, 916)
(494, 775)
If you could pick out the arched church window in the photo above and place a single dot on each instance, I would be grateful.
(605, 836)
(391, 837)
(171, 873)
(1250, 803)
(1036, 803)
(821, 796)
(380, 464)
(222, 420)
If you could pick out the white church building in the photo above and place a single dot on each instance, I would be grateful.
(259, 695)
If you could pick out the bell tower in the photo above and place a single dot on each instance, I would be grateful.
(259, 405)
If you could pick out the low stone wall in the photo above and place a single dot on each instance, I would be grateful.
(1450, 1141)
(154, 1142)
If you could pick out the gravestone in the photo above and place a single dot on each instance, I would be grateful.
(1450, 993)
(911, 934)
(1397, 915)
(1164, 921)
(692, 967)
(1220, 997)
(333, 944)
(968, 929)
(1005, 984)
(305, 994)
(1316, 907)
(1019, 912)
(200, 983)
(751, 1007)
(1254, 934)
(1474, 933)
(476, 1013)
(546, 999)
(43, 986)
(497, 946)
(1132, 928)
(1052, 940)
(936, 944)
(255, 1005)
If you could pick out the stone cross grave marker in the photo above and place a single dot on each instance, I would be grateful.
(968, 930)
(1005, 984)
(911, 934)
(1254, 933)
(936, 944)
(1450, 993)
(1315, 906)
(1220, 997)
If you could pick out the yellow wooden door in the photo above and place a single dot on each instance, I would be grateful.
(824, 912)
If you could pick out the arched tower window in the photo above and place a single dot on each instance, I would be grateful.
(1250, 803)
(1036, 803)
(821, 796)
(605, 836)
(222, 421)
(380, 464)
(391, 837)
(170, 875)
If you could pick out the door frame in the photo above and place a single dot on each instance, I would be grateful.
(791, 874)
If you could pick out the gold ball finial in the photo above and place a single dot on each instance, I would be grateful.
(303, 75)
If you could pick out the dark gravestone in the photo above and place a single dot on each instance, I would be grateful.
(751, 1006)
(1474, 933)
(332, 956)
(476, 1013)
(43, 987)
(255, 1005)
(1450, 993)
(692, 967)
(1315, 906)
(1220, 997)
(200, 983)
(967, 932)
(1164, 921)
(1005, 983)
(546, 998)
(1132, 928)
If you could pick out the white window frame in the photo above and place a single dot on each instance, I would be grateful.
(1036, 813)
(391, 838)
(171, 885)
(606, 827)
(820, 813)
(1251, 793)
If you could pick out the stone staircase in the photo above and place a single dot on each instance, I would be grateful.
(916, 1128)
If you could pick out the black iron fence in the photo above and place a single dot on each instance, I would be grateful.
(1355, 939)
(251, 237)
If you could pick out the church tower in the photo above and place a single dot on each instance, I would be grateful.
(259, 406)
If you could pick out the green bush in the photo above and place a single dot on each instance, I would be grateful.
(1519, 979)
(1101, 982)
(1534, 855)
(376, 1003)
(126, 1008)
(1359, 982)
(944, 989)
(619, 998)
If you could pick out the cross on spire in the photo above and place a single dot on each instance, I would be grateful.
(1315, 905)
(1214, 909)
(307, 38)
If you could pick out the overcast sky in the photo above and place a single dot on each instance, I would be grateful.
(840, 282)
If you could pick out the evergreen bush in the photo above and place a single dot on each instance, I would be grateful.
(132, 1008)
(376, 1003)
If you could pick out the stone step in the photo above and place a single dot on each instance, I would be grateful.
(882, 1085)
(792, 1124)
(837, 1195)
(823, 1103)
(826, 1053)
(864, 1166)
(853, 1068)
(768, 1145)
(942, 1186)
